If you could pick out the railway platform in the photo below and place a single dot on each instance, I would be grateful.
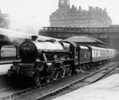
(106, 89)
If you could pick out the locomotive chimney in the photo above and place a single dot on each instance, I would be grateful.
(34, 37)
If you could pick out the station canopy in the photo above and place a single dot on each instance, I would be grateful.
(83, 39)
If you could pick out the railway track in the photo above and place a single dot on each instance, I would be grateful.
(92, 78)
(58, 86)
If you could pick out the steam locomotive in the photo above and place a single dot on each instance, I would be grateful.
(46, 61)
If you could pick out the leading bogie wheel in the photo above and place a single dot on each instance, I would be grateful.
(37, 80)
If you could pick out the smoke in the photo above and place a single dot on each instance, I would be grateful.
(30, 25)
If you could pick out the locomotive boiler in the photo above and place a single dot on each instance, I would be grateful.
(46, 61)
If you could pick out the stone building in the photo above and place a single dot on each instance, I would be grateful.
(66, 16)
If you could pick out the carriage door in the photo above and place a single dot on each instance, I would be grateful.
(84, 54)
(78, 55)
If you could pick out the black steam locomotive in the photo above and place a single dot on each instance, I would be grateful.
(46, 61)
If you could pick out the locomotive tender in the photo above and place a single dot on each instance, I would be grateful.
(45, 61)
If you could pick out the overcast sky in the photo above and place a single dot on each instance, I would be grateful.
(35, 13)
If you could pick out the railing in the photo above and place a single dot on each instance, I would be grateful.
(80, 29)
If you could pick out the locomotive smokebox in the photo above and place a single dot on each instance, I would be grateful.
(28, 51)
